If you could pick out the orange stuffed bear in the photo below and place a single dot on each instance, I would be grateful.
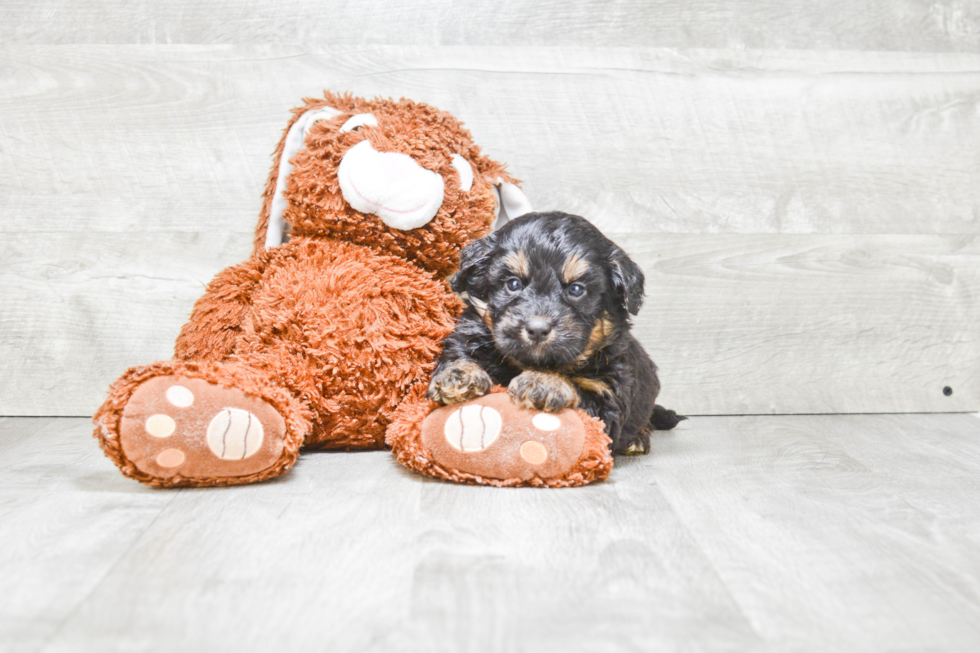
(338, 314)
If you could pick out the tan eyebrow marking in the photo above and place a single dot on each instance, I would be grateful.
(518, 263)
(574, 267)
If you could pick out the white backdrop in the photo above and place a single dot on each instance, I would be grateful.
(800, 181)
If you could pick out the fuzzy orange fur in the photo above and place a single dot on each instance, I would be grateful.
(335, 327)
(317, 207)
(404, 436)
(341, 326)
(109, 416)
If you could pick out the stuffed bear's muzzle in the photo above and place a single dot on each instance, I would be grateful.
(390, 185)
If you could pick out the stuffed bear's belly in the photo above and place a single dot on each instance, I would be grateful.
(349, 331)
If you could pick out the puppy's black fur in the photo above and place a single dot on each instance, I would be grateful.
(549, 300)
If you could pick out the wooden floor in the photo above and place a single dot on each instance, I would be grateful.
(788, 533)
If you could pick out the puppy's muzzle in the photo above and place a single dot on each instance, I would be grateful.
(538, 329)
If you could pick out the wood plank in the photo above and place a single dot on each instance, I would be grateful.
(345, 538)
(606, 567)
(738, 324)
(68, 517)
(945, 25)
(163, 150)
(323, 555)
(812, 324)
(835, 533)
(773, 533)
(165, 138)
(949, 443)
(81, 308)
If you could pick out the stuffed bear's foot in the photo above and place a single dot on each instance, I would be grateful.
(177, 430)
(492, 441)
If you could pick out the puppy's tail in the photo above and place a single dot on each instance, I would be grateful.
(664, 419)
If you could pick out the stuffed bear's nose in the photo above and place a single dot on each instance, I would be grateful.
(538, 328)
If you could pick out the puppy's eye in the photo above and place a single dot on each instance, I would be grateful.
(576, 290)
(514, 284)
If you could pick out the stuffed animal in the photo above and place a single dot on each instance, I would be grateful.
(338, 314)
(327, 335)
(491, 441)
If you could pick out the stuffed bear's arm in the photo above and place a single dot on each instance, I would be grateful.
(222, 313)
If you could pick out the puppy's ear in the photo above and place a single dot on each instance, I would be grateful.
(473, 263)
(627, 278)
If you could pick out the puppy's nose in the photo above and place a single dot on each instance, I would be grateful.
(537, 328)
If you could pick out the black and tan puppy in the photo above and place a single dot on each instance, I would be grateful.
(549, 300)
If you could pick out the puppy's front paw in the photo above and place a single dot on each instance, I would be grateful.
(461, 380)
(543, 391)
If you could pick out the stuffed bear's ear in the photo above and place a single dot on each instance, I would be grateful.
(627, 278)
(310, 118)
(511, 203)
(295, 141)
(472, 266)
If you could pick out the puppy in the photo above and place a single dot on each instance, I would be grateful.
(548, 305)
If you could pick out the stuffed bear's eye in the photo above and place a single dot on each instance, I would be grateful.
(355, 122)
(514, 284)
(465, 171)
(576, 290)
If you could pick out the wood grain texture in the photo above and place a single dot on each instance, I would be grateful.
(78, 309)
(738, 324)
(786, 533)
(812, 324)
(164, 138)
(817, 208)
(934, 26)
(66, 524)
(773, 500)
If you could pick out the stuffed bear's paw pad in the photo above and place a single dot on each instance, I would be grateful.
(534, 452)
(174, 427)
(492, 438)
(235, 434)
(472, 427)
(171, 458)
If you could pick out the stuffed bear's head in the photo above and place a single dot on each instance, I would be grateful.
(401, 176)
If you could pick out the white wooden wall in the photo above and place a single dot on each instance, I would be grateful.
(800, 180)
